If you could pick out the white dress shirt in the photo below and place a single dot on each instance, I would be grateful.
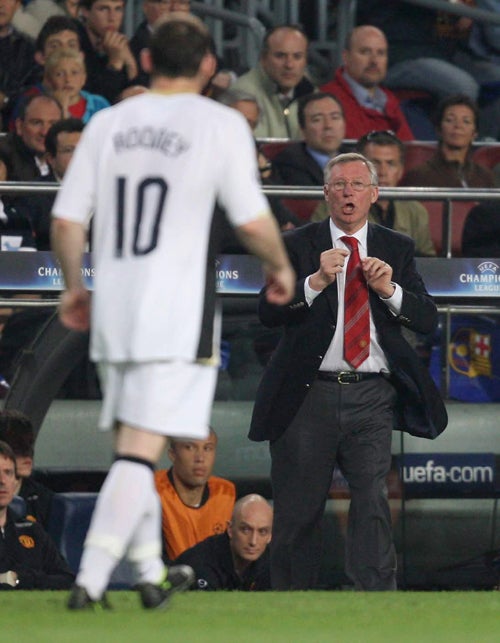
(333, 359)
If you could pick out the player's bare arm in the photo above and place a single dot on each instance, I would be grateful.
(68, 242)
(262, 237)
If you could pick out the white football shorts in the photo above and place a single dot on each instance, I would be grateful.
(170, 398)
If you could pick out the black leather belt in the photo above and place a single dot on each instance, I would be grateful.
(346, 377)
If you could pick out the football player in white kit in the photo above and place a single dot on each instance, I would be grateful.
(151, 169)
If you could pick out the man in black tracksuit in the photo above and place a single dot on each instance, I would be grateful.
(28, 557)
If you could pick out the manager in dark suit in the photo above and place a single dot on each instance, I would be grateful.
(325, 398)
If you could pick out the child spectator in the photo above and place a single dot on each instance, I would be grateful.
(65, 76)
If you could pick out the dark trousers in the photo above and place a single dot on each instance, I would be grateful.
(351, 425)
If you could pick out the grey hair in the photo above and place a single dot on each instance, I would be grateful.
(232, 96)
(350, 157)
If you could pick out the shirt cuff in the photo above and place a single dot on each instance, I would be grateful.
(309, 293)
(395, 301)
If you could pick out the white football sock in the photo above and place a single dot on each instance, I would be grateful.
(145, 548)
(123, 502)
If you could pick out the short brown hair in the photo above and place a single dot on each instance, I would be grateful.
(178, 45)
(8, 453)
(17, 431)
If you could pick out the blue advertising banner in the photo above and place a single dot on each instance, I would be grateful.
(242, 274)
(461, 277)
(448, 474)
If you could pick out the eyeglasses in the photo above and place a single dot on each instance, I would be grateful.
(357, 186)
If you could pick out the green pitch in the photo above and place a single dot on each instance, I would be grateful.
(333, 617)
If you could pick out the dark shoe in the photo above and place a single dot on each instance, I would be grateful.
(80, 600)
(179, 578)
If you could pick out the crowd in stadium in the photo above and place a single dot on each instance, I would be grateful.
(407, 74)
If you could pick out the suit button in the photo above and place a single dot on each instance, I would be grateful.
(320, 356)
(308, 386)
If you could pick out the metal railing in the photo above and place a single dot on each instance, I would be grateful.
(446, 195)
(407, 193)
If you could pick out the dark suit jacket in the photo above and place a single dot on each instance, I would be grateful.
(24, 167)
(295, 166)
(308, 332)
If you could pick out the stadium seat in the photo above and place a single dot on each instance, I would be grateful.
(487, 155)
(417, 152)
(302, 208)
(271, 149)
(460, 211)
(68, 525)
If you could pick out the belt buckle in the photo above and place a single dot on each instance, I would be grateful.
(346, 377)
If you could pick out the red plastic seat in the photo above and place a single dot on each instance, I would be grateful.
(272, 149)
(460, 211)
(487, 155)
(302, 208)
(417, 152)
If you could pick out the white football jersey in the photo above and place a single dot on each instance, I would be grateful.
(151, 169)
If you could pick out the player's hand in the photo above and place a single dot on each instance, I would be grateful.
(74, 309)
(378, 275)
(280, 286)
(330, 264)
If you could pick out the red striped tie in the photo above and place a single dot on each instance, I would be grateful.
(356, 311)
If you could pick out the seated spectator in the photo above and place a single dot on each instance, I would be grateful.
(33, 15)
(481, 235)
(358, 86)
(26, 146)
(152, 10)
(239, 558)
(28, 557)
(429, 50)
(386, 152)
(60, 143)
(110, 63)
(65, 76)
(16, 232)
(16, 61)
(248, 105)
(17, 431)
(278, 81)
(59, 32)
(452, 166)
(479, 55)
(322, 125)
(195, 504)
